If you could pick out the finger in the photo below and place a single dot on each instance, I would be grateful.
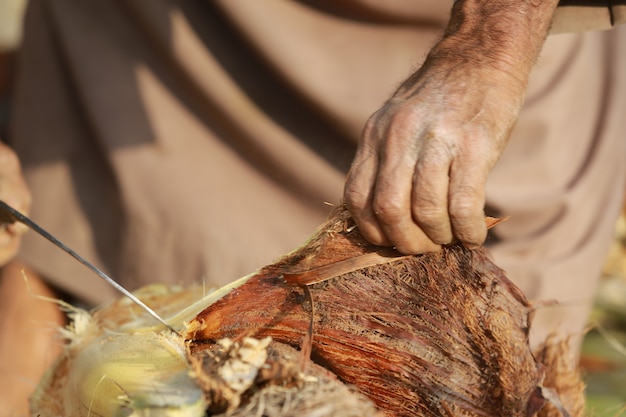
(8, 252)
(408, 238)
(5, 236)
(9, 244)
(20, 201)
(467, 201)
(392, 200)
(358, 195)
(17, 228)
(393, 212)
(430, 194)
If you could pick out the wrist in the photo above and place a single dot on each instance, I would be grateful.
(506, 35)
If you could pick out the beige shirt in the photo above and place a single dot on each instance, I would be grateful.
(580, 15)
(185, 141)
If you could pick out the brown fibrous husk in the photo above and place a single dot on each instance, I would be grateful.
(439, 334)
(562, 378)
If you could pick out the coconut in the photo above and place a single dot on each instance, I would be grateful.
(339, 327)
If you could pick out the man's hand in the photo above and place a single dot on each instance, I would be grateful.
(13, 191)
(423, 160)
(418, 179)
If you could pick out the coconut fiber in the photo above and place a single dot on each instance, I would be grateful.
(439, 334)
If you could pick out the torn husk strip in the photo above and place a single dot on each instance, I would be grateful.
(383, 256)
(326, 272)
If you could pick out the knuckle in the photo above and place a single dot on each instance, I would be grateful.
(372, 130)
(355, 196)
(403, 124)
(463, 211)
(370, 124)
(430, 216)
(355, 199)
(465, 204)
(389, 209)
(436, 224)
(436, 154)
(466, 215)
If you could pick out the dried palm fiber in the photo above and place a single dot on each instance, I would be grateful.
(441, 334)
(436, 334)
(563, 374)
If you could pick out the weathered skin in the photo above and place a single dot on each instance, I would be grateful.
(422, 163)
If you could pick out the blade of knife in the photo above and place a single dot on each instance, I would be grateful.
(10, 215)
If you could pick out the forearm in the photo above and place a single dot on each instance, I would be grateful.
(503, 36)
(510, 32)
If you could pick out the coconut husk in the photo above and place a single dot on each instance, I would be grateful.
(337, 328)
(253, 377)
(562, 378)
(439, 334)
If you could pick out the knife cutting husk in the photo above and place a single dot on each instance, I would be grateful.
(10, 215)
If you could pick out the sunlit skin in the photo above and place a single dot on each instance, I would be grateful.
(29, 339)
(13, 191)
(418, 178)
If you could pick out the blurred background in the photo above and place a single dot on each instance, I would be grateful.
(603, 361)
(604, 351)
(11, 13)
